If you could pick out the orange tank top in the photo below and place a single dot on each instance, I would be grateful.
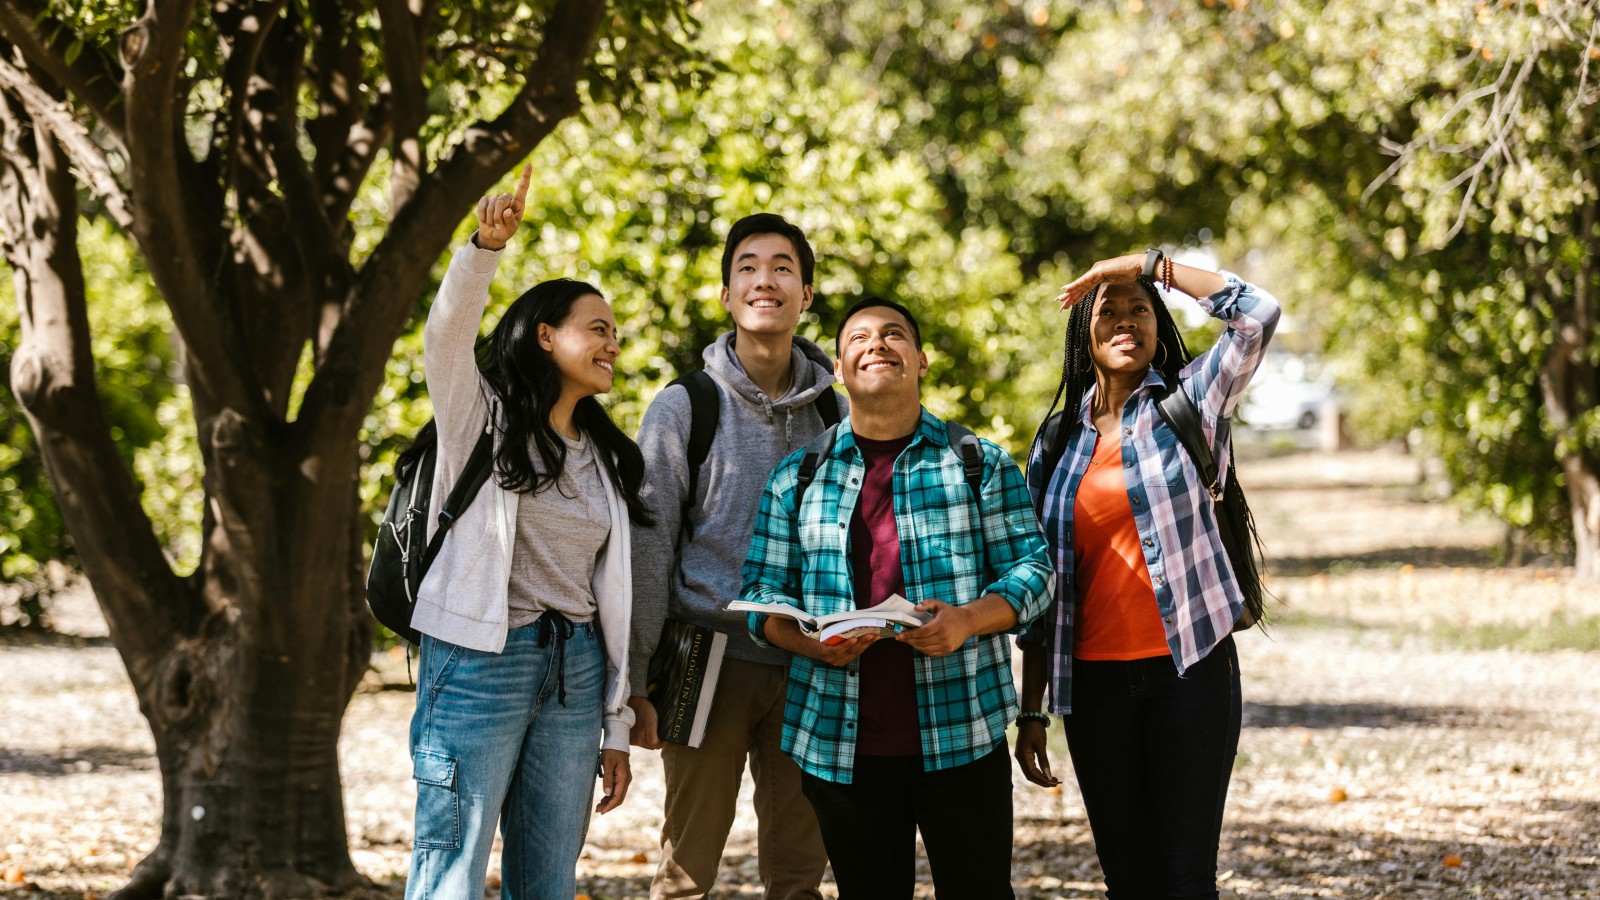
(1117, 615)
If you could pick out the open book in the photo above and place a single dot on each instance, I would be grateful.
(887, 618)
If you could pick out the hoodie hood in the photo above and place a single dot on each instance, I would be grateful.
(813, 373)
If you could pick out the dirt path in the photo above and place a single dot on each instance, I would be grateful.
(1377, 750)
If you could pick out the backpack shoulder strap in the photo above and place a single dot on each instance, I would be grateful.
(1050, 436)
(1184, 419)
(966, 446)
(705, 410)
(1050, 445)
(827, 404)
(477, 471)
(810, 457)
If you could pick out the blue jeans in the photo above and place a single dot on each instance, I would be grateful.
(491, 741)
(1153, 754)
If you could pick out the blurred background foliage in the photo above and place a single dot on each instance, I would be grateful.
(1416, 180)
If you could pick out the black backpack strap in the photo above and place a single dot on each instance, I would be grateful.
(962, 442)
(1051, 444)
(965, 444)
(1235, 523)
(1183, 418)
(827, 404)
(705, 411)
(810, 457)
(479, 466)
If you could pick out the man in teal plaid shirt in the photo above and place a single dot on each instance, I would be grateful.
(899, 734)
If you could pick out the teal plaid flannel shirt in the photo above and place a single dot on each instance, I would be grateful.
(964, 700)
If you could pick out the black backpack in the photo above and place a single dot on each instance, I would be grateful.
(1234, 521)
(402, 554)
(705, 411)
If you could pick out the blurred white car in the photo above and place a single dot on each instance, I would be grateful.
(1285, 394)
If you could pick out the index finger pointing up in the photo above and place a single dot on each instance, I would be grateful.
(522, 186)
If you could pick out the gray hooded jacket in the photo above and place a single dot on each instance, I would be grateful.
(693, 575)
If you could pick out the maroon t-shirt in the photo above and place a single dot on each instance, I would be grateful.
(888, 712)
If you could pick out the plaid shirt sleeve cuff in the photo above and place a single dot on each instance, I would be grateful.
(757, 623)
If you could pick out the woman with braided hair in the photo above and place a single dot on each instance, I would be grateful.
(1136, 648)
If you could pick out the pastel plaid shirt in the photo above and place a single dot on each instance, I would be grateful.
(964, 700)
(1189, 569)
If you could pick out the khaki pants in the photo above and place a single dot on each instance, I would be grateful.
(703, 792)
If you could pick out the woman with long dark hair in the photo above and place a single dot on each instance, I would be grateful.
(523, 685)
(1136, 649)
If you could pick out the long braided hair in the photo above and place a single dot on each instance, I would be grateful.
(1077, 374)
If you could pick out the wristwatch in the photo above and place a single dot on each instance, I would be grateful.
(1152, 262)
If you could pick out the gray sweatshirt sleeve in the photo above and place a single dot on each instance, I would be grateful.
(664, 440)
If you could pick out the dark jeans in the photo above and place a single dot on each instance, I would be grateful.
(870, 827)
(1153, 753)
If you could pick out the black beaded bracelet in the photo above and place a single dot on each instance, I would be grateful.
(1034, 717)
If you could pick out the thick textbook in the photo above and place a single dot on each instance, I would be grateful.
(887, 618)
(683, 679)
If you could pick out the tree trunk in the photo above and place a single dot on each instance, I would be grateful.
(244, 669)
(246, 706)
(247, 730)
(1583, 491)
(1571, 387)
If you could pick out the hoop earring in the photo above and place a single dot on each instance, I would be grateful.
(1088, 364)
(1161, 345)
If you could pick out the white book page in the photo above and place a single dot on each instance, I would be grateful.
(807, 622)
(895, 609)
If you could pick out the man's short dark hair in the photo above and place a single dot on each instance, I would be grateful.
(867, 303)
(768, 223)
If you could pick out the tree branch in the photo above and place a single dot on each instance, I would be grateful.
(338, 183)
(53, 377)
(1502, 119)
(324, 271)
(173, 230)
(93, 77)
(403, 53)
(244, 30)
(386, 286)
(73, 137)
(1583, 95)
(347, 131)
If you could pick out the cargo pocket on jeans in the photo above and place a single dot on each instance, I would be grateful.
(438, 806)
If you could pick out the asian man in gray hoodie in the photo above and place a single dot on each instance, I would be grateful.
(770, 384)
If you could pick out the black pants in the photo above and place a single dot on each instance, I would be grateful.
(1153, 754)
(869, 827)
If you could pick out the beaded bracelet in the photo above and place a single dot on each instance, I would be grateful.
(1034, 717)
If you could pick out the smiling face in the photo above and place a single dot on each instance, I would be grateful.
(584, 347)
(766, 293)
(879, 356)
(1122, 333)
